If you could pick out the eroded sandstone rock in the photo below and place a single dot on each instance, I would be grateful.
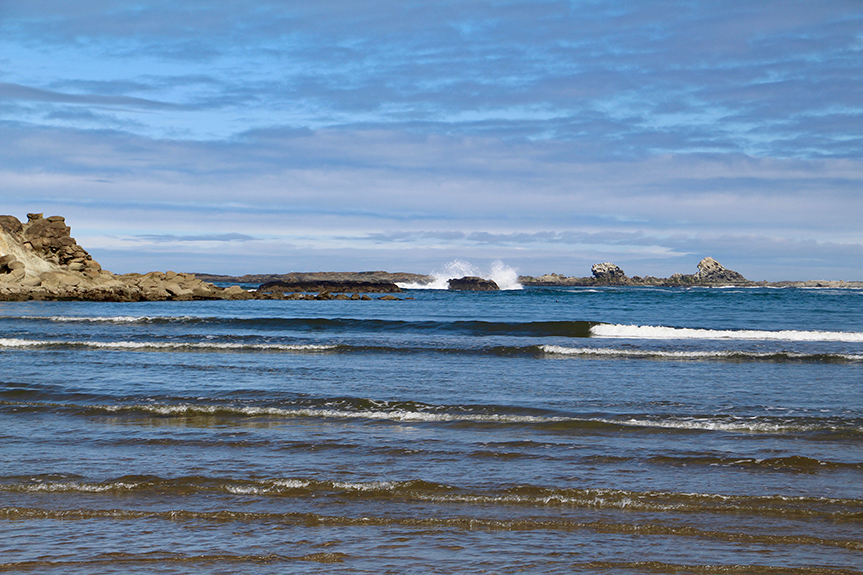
(39, 259)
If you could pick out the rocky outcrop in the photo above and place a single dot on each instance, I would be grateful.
(370, 277)
(40, 260)
(472, 283)
(50, 239)
(608, 272)
(710, 273)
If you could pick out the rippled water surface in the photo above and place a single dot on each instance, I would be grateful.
(618, 430)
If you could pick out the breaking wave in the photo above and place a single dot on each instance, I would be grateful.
(612, 352)
(504, 276)
(662, 332)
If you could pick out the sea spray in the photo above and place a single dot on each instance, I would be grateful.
(504, 276)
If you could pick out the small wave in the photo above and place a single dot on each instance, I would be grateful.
(663, 332)
(417, 490)
(398, 415)
(85, 319)
(172, 346)
(792, 463)
(463, 415)
(738, 425)
(699, 355)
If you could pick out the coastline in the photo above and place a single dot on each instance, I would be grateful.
(39, 260)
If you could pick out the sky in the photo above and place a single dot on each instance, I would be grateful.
(257, 136)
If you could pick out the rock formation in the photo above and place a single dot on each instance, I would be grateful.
(608, 272)
(371, 277)
(472, 283)
(41, 260)
(710, 273)
(331, 286)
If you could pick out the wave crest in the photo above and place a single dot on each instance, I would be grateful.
(663, 332)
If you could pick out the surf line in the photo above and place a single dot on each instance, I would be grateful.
(663, 332)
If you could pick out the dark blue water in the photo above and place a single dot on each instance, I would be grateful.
(542, 430)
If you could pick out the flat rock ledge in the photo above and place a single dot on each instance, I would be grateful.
(355, 286)
(297, 277)
(105, 286)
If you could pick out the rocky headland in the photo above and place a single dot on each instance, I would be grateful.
(40, 260)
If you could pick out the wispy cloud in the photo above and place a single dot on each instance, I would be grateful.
(172, 238)
(543, 129)
(28, 94)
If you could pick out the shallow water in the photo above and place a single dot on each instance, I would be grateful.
(618, 430)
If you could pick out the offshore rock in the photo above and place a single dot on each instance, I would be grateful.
(711, 271)
(608, 272)
(472, 283)
(710, 274)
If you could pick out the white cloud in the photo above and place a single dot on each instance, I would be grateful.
(399, 132)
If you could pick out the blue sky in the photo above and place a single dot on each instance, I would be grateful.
(274, 136)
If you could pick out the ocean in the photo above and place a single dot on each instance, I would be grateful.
(540, 430)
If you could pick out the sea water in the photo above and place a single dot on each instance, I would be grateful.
(541, 430)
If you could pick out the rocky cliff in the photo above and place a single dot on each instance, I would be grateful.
(40, 259)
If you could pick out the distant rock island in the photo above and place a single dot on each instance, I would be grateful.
(710, 274)
(40, 260)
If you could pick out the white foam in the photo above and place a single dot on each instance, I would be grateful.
(98, 319)
(504, 276)
(383, 415)
(76, 486)
(370, 486)
(292, 483)
(752, 425)
(714, 354)
(614, 352)
(662, 332)
(177, 346)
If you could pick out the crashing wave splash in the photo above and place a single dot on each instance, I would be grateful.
(504, 276)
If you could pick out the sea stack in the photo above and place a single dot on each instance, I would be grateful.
(608, 273)
(711, 271)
